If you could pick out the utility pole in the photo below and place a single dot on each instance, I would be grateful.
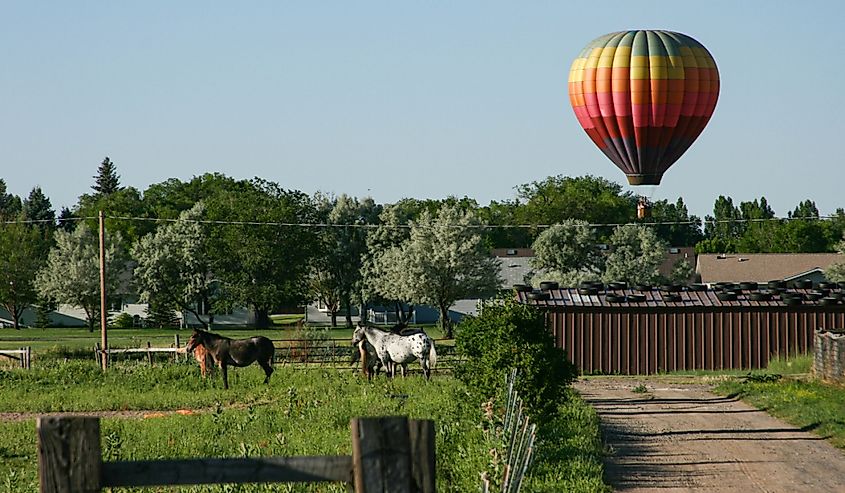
(103, 308)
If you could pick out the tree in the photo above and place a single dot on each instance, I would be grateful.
(107, 180)
(67, 220)
(682, 272)
(686, 231)
(635, 255)
(161, 315)
(724, 224)
(37, 207)
(806, 209)
(10, 205)
(174, 268)
(442, 261)
(264, 267)
(337, 271)
(836, 272)
(589, 198)
(22, 252)
(508, 335)
(71, 274)
(567, 253)
(124, 202)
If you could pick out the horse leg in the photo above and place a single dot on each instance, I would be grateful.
(268, 370)
(224, 371)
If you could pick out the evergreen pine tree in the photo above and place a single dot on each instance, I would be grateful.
(66, 221)
(10, 205)
(161, 315)
(108, 181)
(37, 207)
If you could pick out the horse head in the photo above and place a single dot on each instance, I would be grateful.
(358, 335)
(197, 338)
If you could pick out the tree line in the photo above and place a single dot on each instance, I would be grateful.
(213, 243)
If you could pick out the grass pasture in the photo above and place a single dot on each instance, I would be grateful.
(298, 413)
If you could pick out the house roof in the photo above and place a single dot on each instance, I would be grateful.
(513, 270)
(761, 267)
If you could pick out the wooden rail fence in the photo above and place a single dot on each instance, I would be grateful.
(24, 356)
(389, 454)
(332, 353)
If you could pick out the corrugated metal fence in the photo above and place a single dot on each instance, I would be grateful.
(660, 337)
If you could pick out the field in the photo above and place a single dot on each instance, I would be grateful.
(301, 412)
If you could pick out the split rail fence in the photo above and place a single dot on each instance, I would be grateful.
(23, 355)
(336, 353)
(389, 454)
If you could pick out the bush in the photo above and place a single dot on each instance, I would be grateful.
(508, 335)
(122, 321)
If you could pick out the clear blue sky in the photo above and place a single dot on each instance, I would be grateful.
(402, 99)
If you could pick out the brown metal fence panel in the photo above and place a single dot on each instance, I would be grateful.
(655, 339)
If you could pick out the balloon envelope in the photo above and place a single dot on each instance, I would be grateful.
(643, 97)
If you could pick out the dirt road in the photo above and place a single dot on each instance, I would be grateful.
(679, 437)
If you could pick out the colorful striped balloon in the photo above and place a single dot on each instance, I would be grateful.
(644, 97)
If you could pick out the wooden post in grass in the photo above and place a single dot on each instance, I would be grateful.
(176, 346)
(69, 459)
(149, 354)
(104, 314)
(393, 454)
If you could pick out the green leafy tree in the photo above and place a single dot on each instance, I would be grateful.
(724, 225)
(337, 271)
(682, 272)
(107, 180)
(22, 252)
(442, 261)
(71, 274)
(508, 335)
(264, 267)
(806, 209)
(174, 266)
(505, 214)
(686, 230)
(118, 205)
(589, 198)
(635, 255)
(567, 253)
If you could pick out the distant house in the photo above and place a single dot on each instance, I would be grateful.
(516, 263)
(763, 267)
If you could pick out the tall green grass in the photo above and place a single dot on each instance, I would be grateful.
(299, 413)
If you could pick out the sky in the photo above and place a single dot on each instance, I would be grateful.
(402, 99)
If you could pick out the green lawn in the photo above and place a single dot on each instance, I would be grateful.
(61, 341)
(298, 413)
(795, 397)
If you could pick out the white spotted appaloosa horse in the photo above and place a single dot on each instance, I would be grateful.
(394, 349)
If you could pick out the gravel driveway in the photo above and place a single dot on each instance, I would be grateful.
(678, 436)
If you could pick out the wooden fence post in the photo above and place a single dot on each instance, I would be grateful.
(393, 454)
(149, 354)
(69, 459)
(177, 345)
(422, 454)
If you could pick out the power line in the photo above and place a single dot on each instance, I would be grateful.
(408, 226)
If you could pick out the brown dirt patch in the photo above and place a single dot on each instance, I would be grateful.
(680, 437)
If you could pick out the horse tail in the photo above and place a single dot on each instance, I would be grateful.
(432, 356)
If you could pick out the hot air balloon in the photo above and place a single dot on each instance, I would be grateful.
(643, 97)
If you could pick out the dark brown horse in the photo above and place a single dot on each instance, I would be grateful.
(235, 352)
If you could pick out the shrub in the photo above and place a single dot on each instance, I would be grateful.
(122, 321)
(508, 335)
